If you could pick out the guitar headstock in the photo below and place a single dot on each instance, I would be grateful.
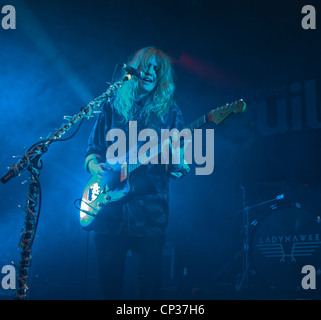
(220, 114)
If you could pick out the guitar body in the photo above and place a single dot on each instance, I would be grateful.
(102, 194)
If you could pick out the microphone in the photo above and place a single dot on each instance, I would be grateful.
(132, 71)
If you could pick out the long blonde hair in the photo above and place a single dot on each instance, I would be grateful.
(161, 97)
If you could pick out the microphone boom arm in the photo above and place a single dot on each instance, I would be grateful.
(39, 148)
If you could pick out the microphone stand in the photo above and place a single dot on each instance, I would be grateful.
(32, 162)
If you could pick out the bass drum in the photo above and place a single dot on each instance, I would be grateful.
(281, 243)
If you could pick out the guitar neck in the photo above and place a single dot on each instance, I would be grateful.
(217, 116)
(200, 122)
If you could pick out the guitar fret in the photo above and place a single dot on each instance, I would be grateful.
(197, 123)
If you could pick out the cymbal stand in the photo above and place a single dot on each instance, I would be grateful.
(244, 282)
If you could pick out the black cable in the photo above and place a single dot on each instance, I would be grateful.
(65, 139)
(79, 125)
(116, 67)
(58, 140)
(85, 211)
(86, 266)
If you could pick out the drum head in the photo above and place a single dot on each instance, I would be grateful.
(282, 242)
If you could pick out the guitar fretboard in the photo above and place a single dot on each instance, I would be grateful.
(154, 152)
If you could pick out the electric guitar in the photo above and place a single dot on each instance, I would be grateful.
(102, 196)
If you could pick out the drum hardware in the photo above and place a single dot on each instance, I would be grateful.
(282, 241)
(244, 279)
(298, 205)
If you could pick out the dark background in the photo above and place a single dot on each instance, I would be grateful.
(59, 58)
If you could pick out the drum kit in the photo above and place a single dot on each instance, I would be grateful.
(281, 235)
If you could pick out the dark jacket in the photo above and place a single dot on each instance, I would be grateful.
(145, 211)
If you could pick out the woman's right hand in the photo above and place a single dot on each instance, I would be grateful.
(98, 169)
